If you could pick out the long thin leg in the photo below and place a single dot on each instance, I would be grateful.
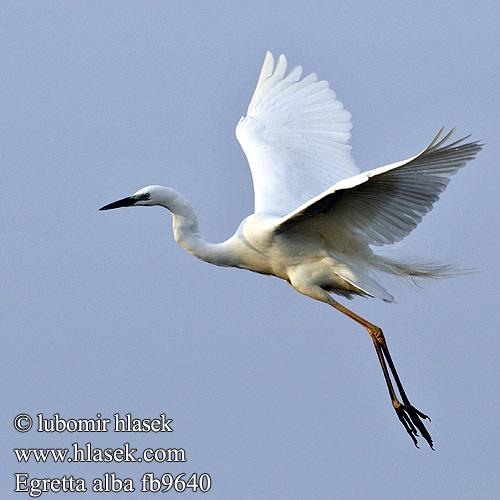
(407, 423)
(409, 416)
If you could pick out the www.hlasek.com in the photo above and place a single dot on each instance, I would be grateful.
(87, 453)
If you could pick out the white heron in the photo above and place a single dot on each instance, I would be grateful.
(315, 215)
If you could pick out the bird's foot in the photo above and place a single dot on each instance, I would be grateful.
(411, 418)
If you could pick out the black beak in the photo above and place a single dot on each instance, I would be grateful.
(126, 202)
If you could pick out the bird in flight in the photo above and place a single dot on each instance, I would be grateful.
(316, 216)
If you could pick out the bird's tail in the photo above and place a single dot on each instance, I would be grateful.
(414, 271)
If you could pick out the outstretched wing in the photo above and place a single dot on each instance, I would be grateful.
(295, 136)
(385, 204)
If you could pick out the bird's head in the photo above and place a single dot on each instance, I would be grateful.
(147, 196)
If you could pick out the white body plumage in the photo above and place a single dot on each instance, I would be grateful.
(315, 214)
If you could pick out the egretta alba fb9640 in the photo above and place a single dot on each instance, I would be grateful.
(316, 216)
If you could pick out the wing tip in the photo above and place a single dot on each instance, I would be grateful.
(267, 67)
(438, 143)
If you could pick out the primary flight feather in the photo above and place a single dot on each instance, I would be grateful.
(316, 216)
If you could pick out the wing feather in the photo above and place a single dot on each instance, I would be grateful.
(295, 136)
(384, 205)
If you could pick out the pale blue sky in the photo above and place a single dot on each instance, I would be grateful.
(274, 395)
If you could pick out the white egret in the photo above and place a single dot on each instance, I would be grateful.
(316, 216)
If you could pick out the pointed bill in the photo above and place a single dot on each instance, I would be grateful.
(125, 202)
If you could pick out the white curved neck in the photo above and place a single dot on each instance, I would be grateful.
(187, 231)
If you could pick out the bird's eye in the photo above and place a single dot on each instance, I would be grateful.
(147, 196)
